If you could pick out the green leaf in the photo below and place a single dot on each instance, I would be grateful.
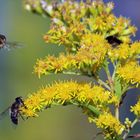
(93, 109)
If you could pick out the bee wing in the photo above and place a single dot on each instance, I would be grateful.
(12, 45)
(4, 113)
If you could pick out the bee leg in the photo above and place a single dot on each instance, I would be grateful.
(21, 116)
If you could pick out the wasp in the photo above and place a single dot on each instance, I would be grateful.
(14, 111)
(7, 45)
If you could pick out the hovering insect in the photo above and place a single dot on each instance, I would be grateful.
(7, 45)
(14, 111)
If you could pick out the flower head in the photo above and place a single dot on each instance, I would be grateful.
(111, 127)
(130, 72)
(63, 93)
(136, 109)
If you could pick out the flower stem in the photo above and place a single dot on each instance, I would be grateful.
(93, 109)
(99, 81)
(117, 113)
(109, 77)
(132, 125)
(104, 84)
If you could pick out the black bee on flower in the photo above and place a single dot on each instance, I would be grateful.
(14, 110)
(4, 44)
(114, 41)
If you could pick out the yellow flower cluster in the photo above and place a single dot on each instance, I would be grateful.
(87, 59)
(64, 93)
(136, 109)
(59, 34)
(111, 127)
(96, 41)
(72, 20)
(83, 29)
(130, 72)
(124, 51)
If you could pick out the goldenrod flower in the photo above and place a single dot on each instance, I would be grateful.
(99, 24)
(136, 109)
(124, 51)
(130, 72)
(67, 92)
(40, 68)
(135, 49)
(28, 112)
(111, 127)
(87, 59)
(34, 102)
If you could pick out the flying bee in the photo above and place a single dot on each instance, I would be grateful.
(2, 41)
(7, 45)
(14, 111)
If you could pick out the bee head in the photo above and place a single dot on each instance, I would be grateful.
(18, 99)
(2, 37)
(2, 40)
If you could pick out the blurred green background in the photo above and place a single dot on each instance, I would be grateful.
(17, 79)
